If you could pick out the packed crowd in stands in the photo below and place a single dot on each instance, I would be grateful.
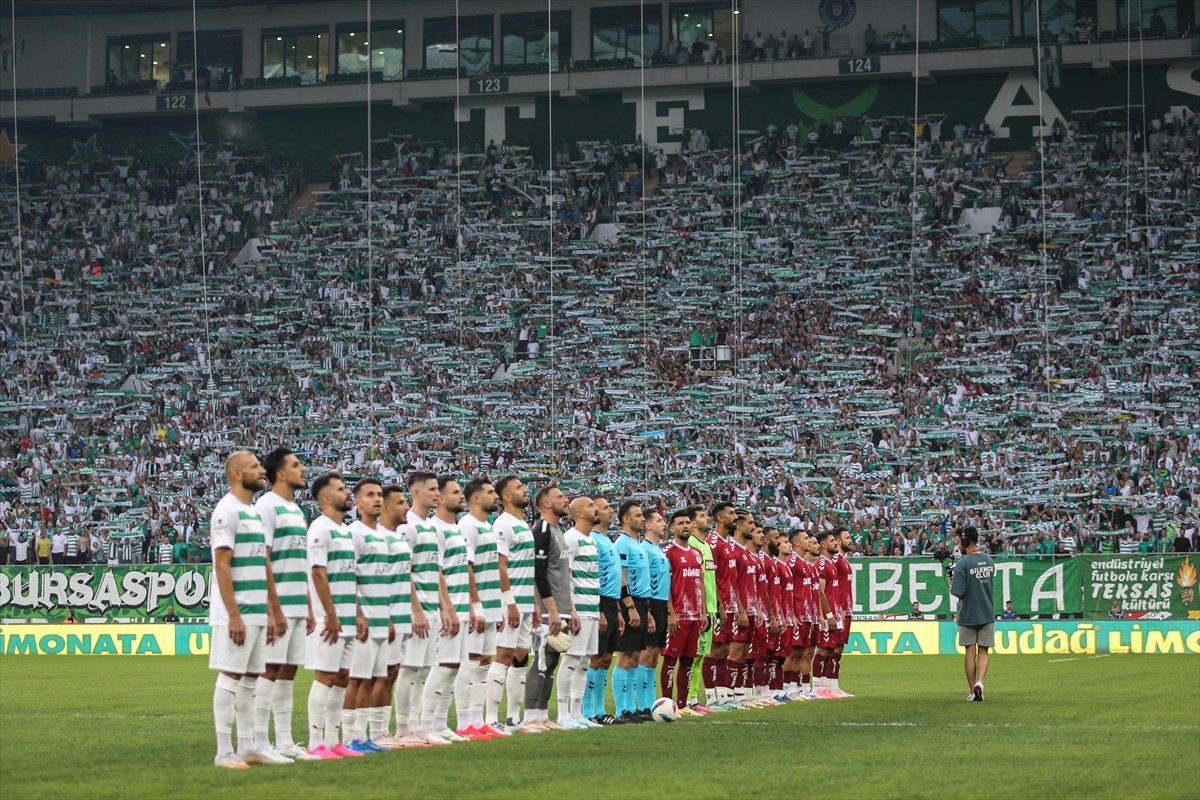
(768, 329)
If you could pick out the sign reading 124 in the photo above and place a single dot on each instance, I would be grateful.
(858, 66)
(488, 85)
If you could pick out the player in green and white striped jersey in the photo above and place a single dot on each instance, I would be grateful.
(285, 529)
(585, 596)
(392, 517)
(333, 586)
(242, 609)
(514, 541)
(420, 654)
(455, 579)
(486, 613)
(367, 699)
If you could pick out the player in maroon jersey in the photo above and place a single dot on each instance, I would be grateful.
(810, 612)
(718, 669)
(758, 655)
(783, 603)
(831, 613)
(686, 614)
(846, 603)
(741, 629)
(797, 571)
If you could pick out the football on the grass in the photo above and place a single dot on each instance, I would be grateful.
(664, 710)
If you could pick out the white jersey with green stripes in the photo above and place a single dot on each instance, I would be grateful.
(331, 545)
(374, 575)
(456, 569)
(236, 526)
(400, 555)
(485, 564)
(286, 530)
(423, 537)
(585, 574)
(514, 540)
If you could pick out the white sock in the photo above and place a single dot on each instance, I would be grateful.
(462, 692)
(402, 697)
(578, 688)
(476, 693)
(563, 681)
(435, 700)
(514, 686)
(262, 711)
(223, 712)
(318, 704)
(497, 675)
(352, 724)
(282, 700)
(244, 708)
(379, 721)
(333, 715)
(416, 700)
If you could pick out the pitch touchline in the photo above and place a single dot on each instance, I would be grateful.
(1077, 658)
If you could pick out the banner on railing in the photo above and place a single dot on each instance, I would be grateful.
(889, 586)
(1145, 586)
(114, 593)
(1157, 586)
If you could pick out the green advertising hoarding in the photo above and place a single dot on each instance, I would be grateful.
(111, 593)
(889, 586)
(1153, 586)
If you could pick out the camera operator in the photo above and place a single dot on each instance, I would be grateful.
(972, 585)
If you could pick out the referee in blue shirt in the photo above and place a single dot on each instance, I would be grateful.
(635, 606)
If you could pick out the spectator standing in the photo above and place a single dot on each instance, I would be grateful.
(972, 585)
(45, 547)
(166, 553)
(1009, 613)
(20, 550)
(58, 548)
(870, 39)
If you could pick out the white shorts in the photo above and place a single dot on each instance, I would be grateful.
(321, 656)
(587, 641)
(518, 638)
(453, 649)
(248, 659)
(395, 649)
(369, 659)
(420, 652)
(483, 644)
(289, 648)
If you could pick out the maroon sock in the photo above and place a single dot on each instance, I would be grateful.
(684, 684)
(711, 671)
(806, 677)
(819, 665)
(759, 673)
(666, 676)
(791, 676)
(747, 677)
(728, 674)
(777, 674)
(836, 666)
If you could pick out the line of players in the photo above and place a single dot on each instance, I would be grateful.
(421, 603)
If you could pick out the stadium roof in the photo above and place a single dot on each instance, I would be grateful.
(53, 8)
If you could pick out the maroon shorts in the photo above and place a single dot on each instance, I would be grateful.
(721, 632)
(807, 636)
(845, 630)
(759, 638)
(685, 640)
(828, 639)
(738, 633)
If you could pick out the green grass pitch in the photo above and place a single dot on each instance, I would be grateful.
(1089, 727)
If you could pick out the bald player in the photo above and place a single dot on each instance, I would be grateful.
(585, 595)
(244, 612)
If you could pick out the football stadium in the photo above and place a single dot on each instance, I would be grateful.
(599, 399)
